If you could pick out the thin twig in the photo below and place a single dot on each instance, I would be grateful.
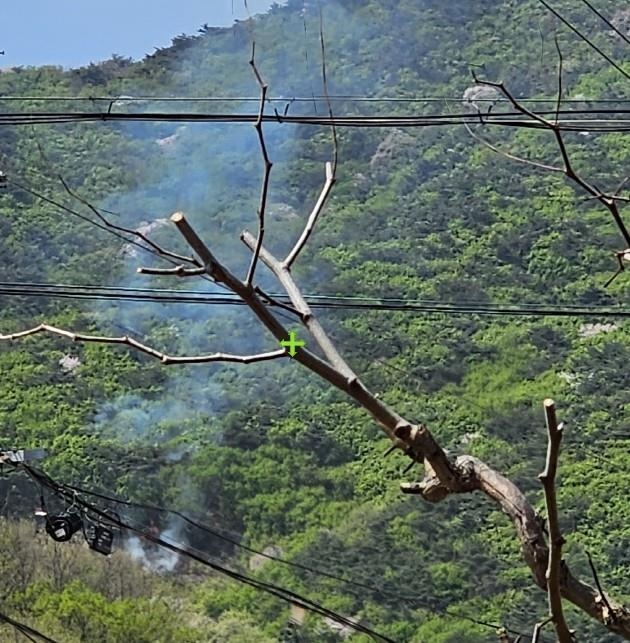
(312, 219)
(331, 167)
(326, 92)
(264, 189)
(508, 155)
(161, 251)
(538, 628)
(602, 594)
(104, 220)
(620, 187)
(559, 99)
(548, 479)
(144, 348)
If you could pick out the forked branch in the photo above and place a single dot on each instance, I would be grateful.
(281, 271)
(609, 201)
(556, 541)
(158, 249)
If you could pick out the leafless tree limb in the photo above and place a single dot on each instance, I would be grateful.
(559, 97)
(471, 474)
(556, 541)
(538, 629)
(314, 215)
(144, 348)
(508, 155)
(135, 233)
(608, 201)
(264, 190)
(326, 92)
(620, 187)
(281, 271)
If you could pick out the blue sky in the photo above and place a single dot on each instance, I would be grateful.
(75, 32)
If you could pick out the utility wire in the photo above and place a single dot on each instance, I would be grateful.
(27, 631)
(576, 31)
(64, 492)
(73, 490)
(363, 586)
(608, 22)
(298, 99)
(507, 119)
(320, 301)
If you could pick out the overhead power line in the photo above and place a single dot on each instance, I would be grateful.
(26, 630)
(283, 100)
(413, 600)
(568, 119)
(576, 31)
(608, 22)
(66, 493)
(321, 301)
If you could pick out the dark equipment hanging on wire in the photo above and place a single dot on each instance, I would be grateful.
(100, 539)
(63, 526)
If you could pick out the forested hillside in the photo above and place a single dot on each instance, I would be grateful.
(463, 286)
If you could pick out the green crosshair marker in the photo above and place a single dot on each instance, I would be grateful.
(292, 343)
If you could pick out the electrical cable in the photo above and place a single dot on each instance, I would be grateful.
(316, 301)
(407, 598)
(73, 490)
(592, 45)
(62, 491)
(299, 99)
(27, 631)
(507, 119)
(608, 22)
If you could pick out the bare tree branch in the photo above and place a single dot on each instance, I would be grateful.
(144, 348)
(281, 271)
(538, 629)
(326, 92)
(512, 157)
(548, 479)
(559, 98)
(136, 233)
(331, 167)
(471, 474)
(264, 190)
(608, 201)
(314, 215)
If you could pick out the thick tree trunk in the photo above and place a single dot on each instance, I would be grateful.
(474, 475)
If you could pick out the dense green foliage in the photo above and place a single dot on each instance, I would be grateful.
(266, 453)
